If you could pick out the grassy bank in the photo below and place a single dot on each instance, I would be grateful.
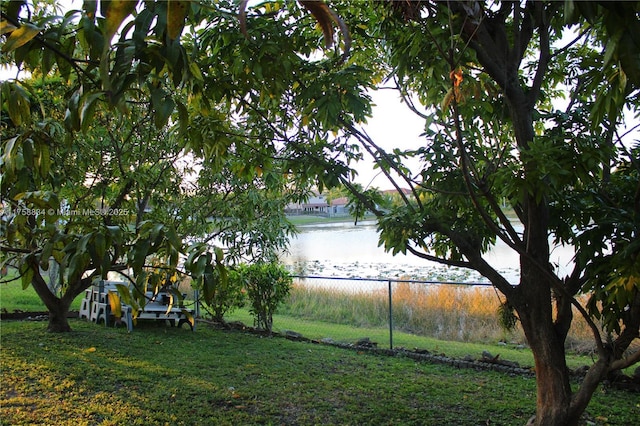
(14, 299)
(446, 312)
(300, 220)
(443, 311)
(342, 333)
(157, 375)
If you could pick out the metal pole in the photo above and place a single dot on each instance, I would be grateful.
(390, 317)
(197, 303)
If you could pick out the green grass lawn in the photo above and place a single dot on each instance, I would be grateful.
(349, 334)
(161, 375)
(310, 219)
(13, 297)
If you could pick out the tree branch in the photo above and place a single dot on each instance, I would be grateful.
(372, 148)
(620, 364)
(545, 54)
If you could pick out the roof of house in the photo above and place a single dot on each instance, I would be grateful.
(342, 201)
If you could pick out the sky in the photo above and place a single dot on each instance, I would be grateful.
(391, 126)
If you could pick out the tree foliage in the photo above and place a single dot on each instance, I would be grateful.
(136, 128)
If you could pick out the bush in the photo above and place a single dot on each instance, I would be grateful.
(220, 290)
(267, 285)
(224, 295)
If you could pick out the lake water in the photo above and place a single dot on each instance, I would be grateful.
(348, 250)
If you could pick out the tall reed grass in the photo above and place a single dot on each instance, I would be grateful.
(447, 312)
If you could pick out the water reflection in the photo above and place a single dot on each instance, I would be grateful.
(349, 250)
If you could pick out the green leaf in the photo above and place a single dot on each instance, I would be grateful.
(100, 247)
(81, 247)
(115, 234)
(88, 103)
(20, 37)
(125, 294)
(64, 67)
(139, 254)
(48, 59)
(27, 152)
(173, 238)
(72, 115)
(219, 254)
(209, 283)
(163, 110)
(47, 250)
(77, 266)
(18, 104)
(44, 160)
(183, 118)
(26, 273)
(201, 264)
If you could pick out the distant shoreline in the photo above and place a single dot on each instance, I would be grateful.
(301, 220)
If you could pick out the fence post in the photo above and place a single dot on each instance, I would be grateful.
(196, 295)
(390, 317)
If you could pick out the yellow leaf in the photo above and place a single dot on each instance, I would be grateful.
(117, 11)
(20, 37)
(632, 282)
(456, 77)
(114, 304)
(6, 27)
(91, 349)
(176, 13)
(324, 17)
(447, 99)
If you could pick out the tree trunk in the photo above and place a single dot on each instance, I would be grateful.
(58, 322)
(552, 376)
(535, 308)
(58, 307)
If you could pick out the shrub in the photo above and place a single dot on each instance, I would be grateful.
(221, 290)
(267, 285)
(225, 295)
